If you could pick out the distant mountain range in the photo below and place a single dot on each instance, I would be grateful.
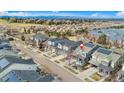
(60, 17)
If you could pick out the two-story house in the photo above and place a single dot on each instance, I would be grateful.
(107, 61)
(39, 40)
(120, 74)
(84, 54)
(16, 69)
(61, 46)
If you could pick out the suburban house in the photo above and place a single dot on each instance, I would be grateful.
(16, 69)
(39, 40)
(120, 74)
(9, 63)
(107, 61)
(4, 52)
(61, 46)
(84, 55)
(26, 76)
(4, 44)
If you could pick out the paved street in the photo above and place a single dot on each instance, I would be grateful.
(52, 67)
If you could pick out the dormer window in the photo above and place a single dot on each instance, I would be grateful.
(105, 63)
(53, 43)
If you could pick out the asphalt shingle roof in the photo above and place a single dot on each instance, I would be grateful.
(40, 37)
(65, 42)
(26, 75)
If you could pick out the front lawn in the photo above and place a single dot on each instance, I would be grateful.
(70, 69)
(85, 66)
(87, 80)
(96, 76)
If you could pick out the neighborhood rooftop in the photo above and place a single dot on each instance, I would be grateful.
(65, 42)
(104, 55)
(40, 37)
(104, 51)
(91, 45)
(5, 61)
(26, 75)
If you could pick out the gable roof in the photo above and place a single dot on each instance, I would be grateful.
(13, 59)
(4, 52)
(88, 47)
(65, 42)
(106, 55)
(26, 75)
(6, 61)
(40, 37)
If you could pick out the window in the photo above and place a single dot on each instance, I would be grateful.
(3, 63)
(120, 76)
(100, 70)
(107, 72)
(80, 59)
(111, 72)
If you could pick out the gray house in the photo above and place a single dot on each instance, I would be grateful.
(84, 55)
(120, 74)
(4, 44)
(10, 63)
(107, 61)
(4, 52)
(39, 40)
(61, 46)
(26, 76)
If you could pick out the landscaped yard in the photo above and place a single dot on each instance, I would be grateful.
(96, 76)
(46, 56)
(63, 59)
(57, 61)
(54, 55)
(70, 69)
(85, 66)
(87, 80)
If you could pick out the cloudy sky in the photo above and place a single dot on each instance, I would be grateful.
(91, 14)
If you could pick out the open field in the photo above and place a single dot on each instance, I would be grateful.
(4, 22)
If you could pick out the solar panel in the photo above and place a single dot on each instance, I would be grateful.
(3, 63)
(10, 77)
(104, 51)
(89, 45)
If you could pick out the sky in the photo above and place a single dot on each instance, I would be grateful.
(87, 14)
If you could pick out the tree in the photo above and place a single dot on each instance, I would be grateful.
(25, 30)
(23, 38)
(102, 39)
(28, 31)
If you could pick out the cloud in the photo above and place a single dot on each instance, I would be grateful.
(5, 13)
(120, 14)
(19, 14)
(98, 15)
(53, 13)
(95, 15)
(2, 13)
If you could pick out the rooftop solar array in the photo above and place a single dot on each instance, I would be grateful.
(3, 63)
(105, 51)
(89, 45)
(11, 77)
(26, 75)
